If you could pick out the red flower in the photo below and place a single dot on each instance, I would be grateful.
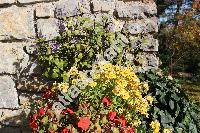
(106, 101)
(33, 125)
(84, 123)
(65, 130)
(35, 116)
(122, 120)
(68, 110)
(49, 106)
(47, 95)
(116, 121)
(112, 115)
(41, 111)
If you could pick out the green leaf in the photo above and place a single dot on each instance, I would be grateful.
(171, 104)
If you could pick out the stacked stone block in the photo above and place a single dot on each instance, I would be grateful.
(22, 21)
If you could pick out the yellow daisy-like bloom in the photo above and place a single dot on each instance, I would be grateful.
(116, 91)
(107, 67)
(146, 86)
(155, 125)
(136, 123)
(149, 99)
(110, 75)
(167, 130)
(73, 71)
(97, 76)
(63, 87)
(92, 84)
(126, 96)
(74, 81)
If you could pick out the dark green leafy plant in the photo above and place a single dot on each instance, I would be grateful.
(171, 106)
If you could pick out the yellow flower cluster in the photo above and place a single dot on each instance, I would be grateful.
(155, 125)
(63, 87)
(92, 84)
(167, 130)
(127, 85)
(136, 123)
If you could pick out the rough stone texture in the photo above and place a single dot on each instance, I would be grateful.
(34, 1)
(8, 93)
(7, 1)
(13, 57)
(142, 26)
(130, 10)
(15, 121)
(16, 22)
(149, 44)
(104, 6)
(68, 8)
(135, 9)
(45, 10)
(146, 43)
(48, 28)
(147, 61)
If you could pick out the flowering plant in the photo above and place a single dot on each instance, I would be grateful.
(110, 98)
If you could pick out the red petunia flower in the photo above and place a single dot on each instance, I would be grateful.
(112, 115)
(84, 123)
(33, 125)
(65, 130)
(47, 95)
(116, 121)
(68, 110)
(41, 111)
(122, 120)
(106, 101)
(49, 105)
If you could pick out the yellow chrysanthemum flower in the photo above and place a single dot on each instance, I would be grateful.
(136, 123)
(155, 125)
(92, 84)
(167, 130)
(149, 99)
(63, 87)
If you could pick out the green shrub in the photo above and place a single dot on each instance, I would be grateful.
(81, 40)
(171, 106)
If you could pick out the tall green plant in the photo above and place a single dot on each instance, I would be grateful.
(79, 44)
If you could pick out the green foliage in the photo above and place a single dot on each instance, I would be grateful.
(171, 106)
(78, 45)
(179, 42)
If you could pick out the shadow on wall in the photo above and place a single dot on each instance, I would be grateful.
(29, 84)
(15, 124)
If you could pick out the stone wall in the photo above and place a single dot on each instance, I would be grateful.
(21, 21)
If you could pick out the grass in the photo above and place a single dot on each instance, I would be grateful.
(192, 89)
